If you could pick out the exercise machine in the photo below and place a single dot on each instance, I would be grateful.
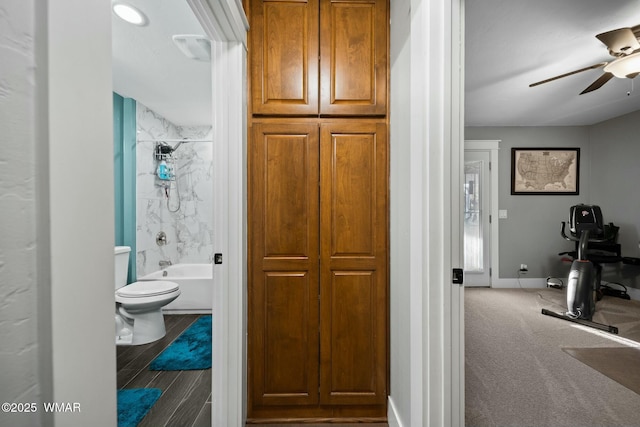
(583, 286)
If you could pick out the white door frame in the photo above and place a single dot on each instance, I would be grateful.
(226, 24)
(491, 146)
(436, 114)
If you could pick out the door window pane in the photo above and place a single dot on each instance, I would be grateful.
(473, 239)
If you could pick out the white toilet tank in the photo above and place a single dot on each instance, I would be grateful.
(122, 265)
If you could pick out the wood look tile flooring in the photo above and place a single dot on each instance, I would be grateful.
(186, 395)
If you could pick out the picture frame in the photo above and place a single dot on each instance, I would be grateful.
(545, 171)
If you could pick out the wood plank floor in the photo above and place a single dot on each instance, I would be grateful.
(186, 395)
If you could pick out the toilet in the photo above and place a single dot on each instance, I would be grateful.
(139, 318)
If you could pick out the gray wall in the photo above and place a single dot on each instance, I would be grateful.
(615, 186)
(609, 177)
(531, 233)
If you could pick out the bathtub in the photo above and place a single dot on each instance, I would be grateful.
(196, 286)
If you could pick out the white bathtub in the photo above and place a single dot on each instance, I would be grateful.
(196, 286)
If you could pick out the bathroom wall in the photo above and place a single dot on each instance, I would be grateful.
(189, 230)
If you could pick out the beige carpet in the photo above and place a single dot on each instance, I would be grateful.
(621, 364)
(517, 373)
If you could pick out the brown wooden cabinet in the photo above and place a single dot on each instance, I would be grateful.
(327, 58)
(318, 286)
(284, 245)
(318, 211)
(353, 262)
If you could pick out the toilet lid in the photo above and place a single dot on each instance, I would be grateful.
(147, 289)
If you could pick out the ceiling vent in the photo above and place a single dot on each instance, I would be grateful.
(193, 46)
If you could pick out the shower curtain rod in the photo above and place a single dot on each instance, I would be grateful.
(175, 140)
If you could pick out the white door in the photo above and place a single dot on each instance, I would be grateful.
(477, 218)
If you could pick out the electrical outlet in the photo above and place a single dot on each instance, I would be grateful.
(523, 268)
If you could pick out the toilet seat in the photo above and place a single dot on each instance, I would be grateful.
(147, 289)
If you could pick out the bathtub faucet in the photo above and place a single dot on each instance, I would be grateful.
(164, 264)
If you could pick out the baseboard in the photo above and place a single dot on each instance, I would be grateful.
(541, 282)
(522, 282)
(392, 414)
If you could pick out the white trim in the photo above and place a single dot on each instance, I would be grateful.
(522, 282)
(220, 327)
(225, 22)
(437, 126)
(393, 419)
(457, 376)
(229, 277)
(541, 282)
(492, 146)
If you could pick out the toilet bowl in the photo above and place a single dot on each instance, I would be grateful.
(138, 316)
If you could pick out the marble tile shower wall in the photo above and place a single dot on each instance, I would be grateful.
(189, 229)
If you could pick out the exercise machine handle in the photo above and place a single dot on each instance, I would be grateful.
(570, 238)
(573, 238)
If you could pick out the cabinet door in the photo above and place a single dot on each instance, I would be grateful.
(284, 57)
(283, 290)
(353, 260)
(353, 57)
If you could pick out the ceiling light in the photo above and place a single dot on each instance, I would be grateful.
(626, 66)
(194, 46)
(130, 14)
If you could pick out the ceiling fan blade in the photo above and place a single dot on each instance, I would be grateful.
(598, 83)
(620, 41)
(591, 67)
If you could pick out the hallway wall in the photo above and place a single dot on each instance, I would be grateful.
(19, 247)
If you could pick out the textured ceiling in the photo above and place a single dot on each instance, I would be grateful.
(149, 68)
(510, 44)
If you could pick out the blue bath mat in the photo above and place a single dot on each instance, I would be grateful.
(191, 350)
(134, 403)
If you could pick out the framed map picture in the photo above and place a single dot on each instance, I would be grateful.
(545, 171)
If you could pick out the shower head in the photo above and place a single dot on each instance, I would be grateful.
(178, 145)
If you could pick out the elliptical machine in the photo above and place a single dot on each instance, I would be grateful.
(586, 226)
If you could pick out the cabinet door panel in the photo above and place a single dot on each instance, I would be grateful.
(289, 370)
(283, 290)
(353, 319)
(353, 197)
(353, 260)
(284, 57)
(353, 57)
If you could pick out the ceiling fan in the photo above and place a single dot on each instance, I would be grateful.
(623, 45)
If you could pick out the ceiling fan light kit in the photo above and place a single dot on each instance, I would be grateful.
(626, 66)
(624, 46)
